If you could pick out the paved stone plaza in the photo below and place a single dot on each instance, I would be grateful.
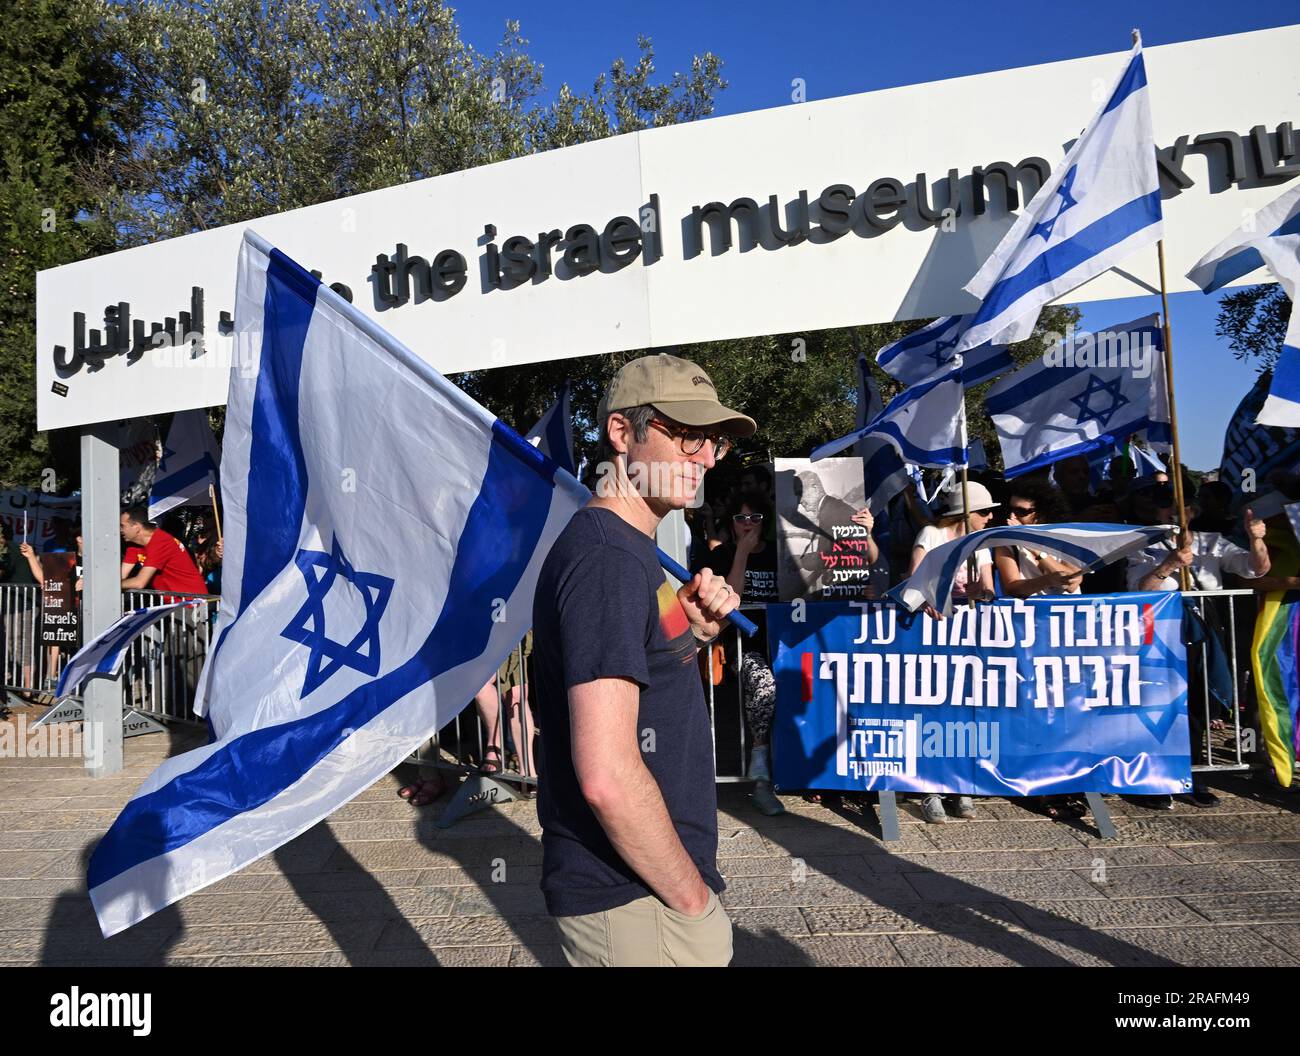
(379, 884)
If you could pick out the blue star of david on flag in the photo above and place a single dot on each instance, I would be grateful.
(940, 348)
(1087, 413)
(1067, 201)
(320, 570)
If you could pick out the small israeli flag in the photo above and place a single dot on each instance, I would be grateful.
(1088, 395)
(1271, 237)
(383, 539)
(1238, 255)
(553, 433)
(884, 474)
(103, 654)
(922, 354)
(1100, 205)
(188, 467)
(926, 424)
(1083, 545)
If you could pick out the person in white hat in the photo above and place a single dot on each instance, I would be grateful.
(626, 795)
(950, 525)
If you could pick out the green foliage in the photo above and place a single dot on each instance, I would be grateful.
(56, 95)
(1254, 320)
(798, 403)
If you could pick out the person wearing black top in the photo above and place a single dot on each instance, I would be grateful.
(749, 565)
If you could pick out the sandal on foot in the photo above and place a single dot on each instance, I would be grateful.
(428, 792)
(489, 764)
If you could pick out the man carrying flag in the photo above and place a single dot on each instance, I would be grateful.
(626, 794)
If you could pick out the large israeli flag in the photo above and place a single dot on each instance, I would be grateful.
(1100, 205)
(383, 539)
(926, 424)
(1086, 546)
(553, 433)
(919, 355)
(188, 467)
(1238, 255)
(1088, 395)
(884, 474)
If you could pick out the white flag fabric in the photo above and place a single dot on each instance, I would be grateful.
(188, 467)
(1089, 394)
(1270, 237)
(1238, 255)
(1282, 407)
(918, 356)
(1100, 205)
(383, 539)
(103, 654)
(926, 424)
(884, 473)
(1083, 545)
(553, 433)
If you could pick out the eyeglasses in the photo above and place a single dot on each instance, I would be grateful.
(691, 441)
(747, 518)
(1024, 511)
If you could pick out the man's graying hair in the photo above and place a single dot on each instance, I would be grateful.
(639, 416)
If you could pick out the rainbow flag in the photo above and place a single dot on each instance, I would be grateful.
(1277, 678)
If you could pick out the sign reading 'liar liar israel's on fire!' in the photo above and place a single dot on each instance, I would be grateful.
(1010, 698)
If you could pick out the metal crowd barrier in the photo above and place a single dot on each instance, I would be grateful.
(161, 671)
(29, 667)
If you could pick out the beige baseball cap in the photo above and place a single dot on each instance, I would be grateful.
(675, 387)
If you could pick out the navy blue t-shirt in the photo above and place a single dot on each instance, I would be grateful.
(605, 609)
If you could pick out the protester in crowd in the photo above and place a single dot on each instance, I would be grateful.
(167, 565)
(1213, 501)
(1206, 555)
(951, 524)
(1024, 571)
(1073, 477)
(626, 795)
(749, 565)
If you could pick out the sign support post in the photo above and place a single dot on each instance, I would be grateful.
(101, 587)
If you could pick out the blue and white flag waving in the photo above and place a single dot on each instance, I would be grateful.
(1083, 545)
(1271, 237)
(384, 535)
(1088, 394)
(920, 355)
(1101, 204)
(884, 473)
(1238, 255)
(188, 467)
(103, 654)
(926, 424)
(553, 433)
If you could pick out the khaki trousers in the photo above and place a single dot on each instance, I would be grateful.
(647, 934)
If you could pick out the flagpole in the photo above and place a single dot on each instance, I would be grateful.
(1184, 539)
(972, 567)
(216, 514)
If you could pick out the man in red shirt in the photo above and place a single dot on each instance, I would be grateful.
(167, 564)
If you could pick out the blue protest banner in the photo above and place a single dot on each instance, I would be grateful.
(1011, 698)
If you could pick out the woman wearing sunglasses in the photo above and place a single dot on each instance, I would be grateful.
(749, 563)
(1023, 570)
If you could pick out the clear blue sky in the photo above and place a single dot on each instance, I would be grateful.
(841, 48)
